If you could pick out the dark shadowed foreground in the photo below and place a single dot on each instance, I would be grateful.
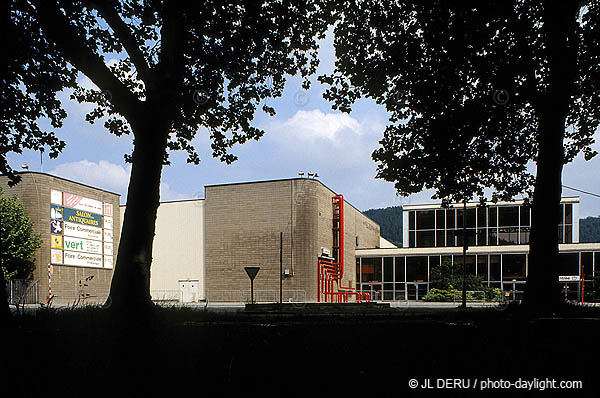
(79, 352)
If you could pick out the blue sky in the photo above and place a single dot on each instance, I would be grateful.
(305, 135)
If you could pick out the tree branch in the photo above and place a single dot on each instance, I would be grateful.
(125, 36)
(77, 52)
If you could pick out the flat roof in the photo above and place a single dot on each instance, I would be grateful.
(457, 250)
(290, 179)
(566, 199)
(64, 179)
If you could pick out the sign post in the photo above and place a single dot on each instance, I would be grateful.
(252, 271)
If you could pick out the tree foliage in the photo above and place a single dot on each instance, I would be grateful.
(461, 81)
(390, 221)
(589, 229)
(475, 91)
(32, 75)
(163, 71)
(18, 242)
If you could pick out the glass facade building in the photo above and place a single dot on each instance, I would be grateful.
(497, 237)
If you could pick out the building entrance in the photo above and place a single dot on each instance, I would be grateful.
(416, 290)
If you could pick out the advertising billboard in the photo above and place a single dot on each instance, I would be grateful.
(81, 231)
(82, 259)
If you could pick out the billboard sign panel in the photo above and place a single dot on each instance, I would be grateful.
(82, 203)
(82, 245)
(82, 231)
(82, 217)
(82, 259)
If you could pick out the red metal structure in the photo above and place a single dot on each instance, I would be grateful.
(332, 272)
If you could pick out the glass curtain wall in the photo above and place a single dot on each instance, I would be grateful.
(408, 277)
(486, 226)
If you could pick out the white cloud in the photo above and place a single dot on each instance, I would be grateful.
(315, 125)
(103, 175)
(109, 176)
(168, 194)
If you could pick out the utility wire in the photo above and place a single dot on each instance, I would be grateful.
(579, 190)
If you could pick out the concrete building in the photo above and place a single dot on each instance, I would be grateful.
(79, 229)
(324, 248)
(245, 222)
(498, 237)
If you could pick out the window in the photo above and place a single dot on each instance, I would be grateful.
(458, 260)
(508, 235)
(426, 219)
(587, 263)
(440, 219)
(508, 216)
(425, 238)
(565, 228)
(481, 217)
(569, 264)
(371, 270)
(482, 267)
(525, 214)
(388, 269)
(514, 266)
(495, 267)
(416, 269)
(399, 269)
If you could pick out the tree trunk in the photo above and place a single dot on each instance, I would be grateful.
(542, 293)
(130, 286)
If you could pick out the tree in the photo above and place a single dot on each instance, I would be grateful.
(390, 221)
(18, 244)
(179, 66)
(29, 62)
(475, 91)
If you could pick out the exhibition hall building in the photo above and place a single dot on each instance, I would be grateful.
(309, 242)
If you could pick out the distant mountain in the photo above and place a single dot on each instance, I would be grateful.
(589, 229)
(390, 221)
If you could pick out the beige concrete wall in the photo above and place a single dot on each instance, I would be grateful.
(243, 225)
(178, 249)
(34, 193)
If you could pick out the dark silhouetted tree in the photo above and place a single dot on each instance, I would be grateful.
(180, 66)
(475, 91)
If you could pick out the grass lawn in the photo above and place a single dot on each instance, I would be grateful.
(79, 351)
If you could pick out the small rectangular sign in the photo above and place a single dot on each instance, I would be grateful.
(568, 278)
(108, 235)
(107, 222)
(56, 197)
(82, 231)
(56, 241)
(56, 212)
(56, 256)
(81, 203)
(108, 209)
(82, 245)
(82, 259)
(82, 217)
(108, 262)
(56, 227)
(108, 248)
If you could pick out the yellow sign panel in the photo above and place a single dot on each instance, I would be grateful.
(56, 242)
